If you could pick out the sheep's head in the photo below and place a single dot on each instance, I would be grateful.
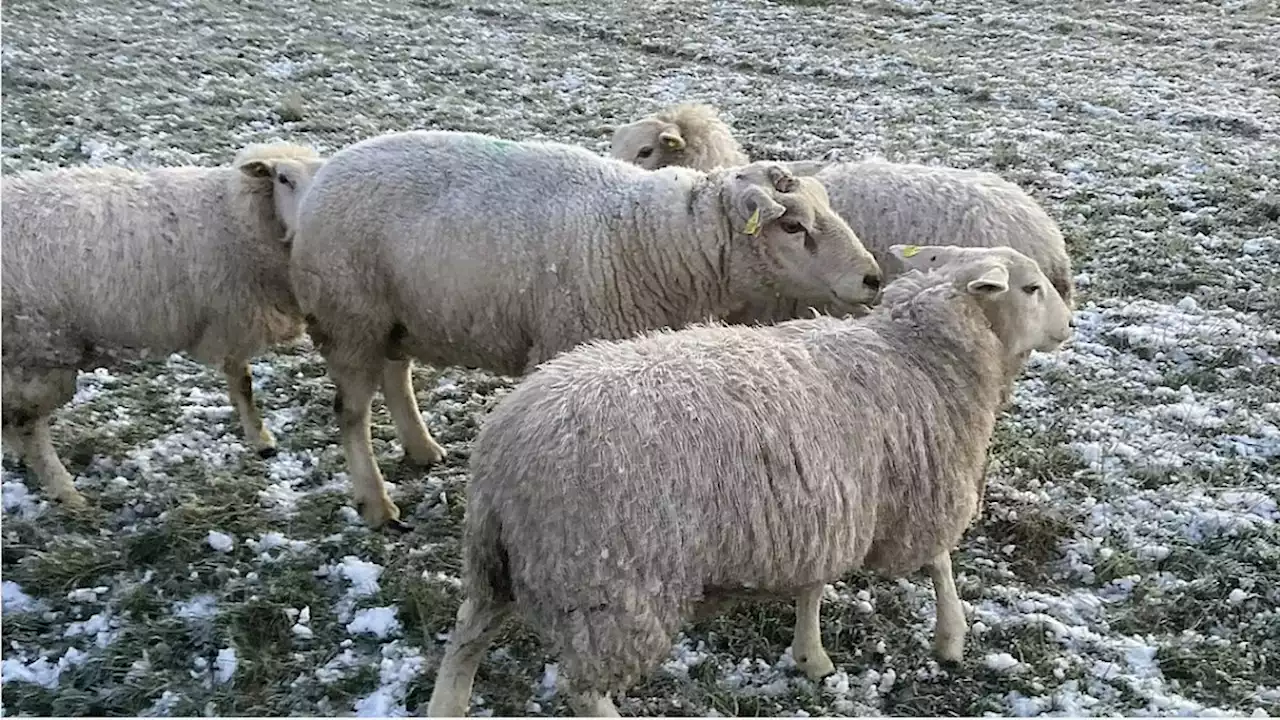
(1024, 310)
(686, 135)
(650, 143)
(287, 170)
(806, 251)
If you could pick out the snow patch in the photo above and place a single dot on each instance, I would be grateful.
(220, 541)
(377, 621)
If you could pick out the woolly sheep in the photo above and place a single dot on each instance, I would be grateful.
(688, 135)
(108, 263)
(623, 487)
(885, 203)
(457, 248)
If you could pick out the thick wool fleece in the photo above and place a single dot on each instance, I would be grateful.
(463, 249)
(623, 484)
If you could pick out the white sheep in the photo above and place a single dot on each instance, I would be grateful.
(885, 203)
(685, 135)
(110, 263)
(463, 249)
(624, 486)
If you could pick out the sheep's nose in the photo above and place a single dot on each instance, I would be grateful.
(1071, 323)
(872, 281)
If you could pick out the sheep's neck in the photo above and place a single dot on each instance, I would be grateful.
(253, 212)
(689, 261)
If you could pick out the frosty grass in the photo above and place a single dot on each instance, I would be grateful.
(1128, 560)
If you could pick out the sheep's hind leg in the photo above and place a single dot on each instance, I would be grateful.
(240, 388)
(950, 629)
(806, 646)
(397, 390)
(34, 441)
(477, 624)
(351, 403)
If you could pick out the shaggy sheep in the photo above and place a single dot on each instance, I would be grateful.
(102, 264)
(688, 135)
(462, 249)
(885, 203)
(622, 485)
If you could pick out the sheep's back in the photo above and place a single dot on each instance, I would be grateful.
(689, 462)
(117, 255)
(482, 236)
(892, 203)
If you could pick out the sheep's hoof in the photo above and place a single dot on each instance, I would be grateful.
(378, 514)
(816, 665)
(73, 500)
(424, 456)
(267, 453)
(398, 525)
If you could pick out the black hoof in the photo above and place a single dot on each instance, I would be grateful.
(399, 526)
(267, 453)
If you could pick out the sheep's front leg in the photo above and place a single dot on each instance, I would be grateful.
(397, 390)
(806, 646)
(33, 441)
(240, 388)
(351, 403)
(948, 637)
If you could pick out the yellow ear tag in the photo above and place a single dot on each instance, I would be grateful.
(753, 223)
(910, 251)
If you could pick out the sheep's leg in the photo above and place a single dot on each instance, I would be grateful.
(478, 622)
(240, 388)
(948, 638)
(34, 441)
(593, 704)
(806, 646)
(351, 403)
(397, 390)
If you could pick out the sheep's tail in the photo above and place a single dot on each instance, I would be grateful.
(486, 566)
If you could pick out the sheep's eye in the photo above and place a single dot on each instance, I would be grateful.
(284, 180)
(644, 153)
(1030, 289)
(791, 227)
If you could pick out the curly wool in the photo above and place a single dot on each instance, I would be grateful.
(623, 484)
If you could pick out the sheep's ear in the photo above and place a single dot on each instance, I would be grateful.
(671, 140)
(782, 179)
(905, 252)
(257, 169)
(991, 281)
(762, 209)
(924, 257)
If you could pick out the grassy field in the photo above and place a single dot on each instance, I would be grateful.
(1128, 560)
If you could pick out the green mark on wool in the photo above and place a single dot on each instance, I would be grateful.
(500, 146)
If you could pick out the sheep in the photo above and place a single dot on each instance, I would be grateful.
(885, 203)
(456, 248)
(689, 135)
(623, 487)
(106, 263)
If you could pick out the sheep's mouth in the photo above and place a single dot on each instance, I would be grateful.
(859, 305)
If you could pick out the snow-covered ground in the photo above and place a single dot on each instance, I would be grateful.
(1128, 560)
